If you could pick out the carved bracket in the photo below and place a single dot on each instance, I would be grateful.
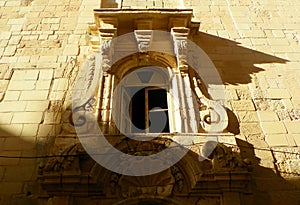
(144, 39)
(180, 42)
(106, 47)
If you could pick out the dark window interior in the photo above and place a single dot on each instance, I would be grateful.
(140, 108)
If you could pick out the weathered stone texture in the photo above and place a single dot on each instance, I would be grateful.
(254, 45)
(36, 37)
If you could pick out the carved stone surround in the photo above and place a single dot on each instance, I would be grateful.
(111, 23)
(74, 174)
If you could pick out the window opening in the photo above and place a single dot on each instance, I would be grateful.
(149, 103)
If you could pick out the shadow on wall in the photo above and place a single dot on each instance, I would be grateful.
(268, 187)
(17, 166)
(235, 63)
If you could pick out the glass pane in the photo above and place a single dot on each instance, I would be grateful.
(157, 98)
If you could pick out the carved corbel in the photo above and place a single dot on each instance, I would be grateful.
(106, 47)
(144, 39)
(180, 40)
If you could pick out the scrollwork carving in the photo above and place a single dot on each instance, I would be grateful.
(179, 180)
(213, 116)
(83, 99)
(79, 112)
(223, 157)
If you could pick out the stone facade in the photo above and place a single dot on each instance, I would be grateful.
(44, 44)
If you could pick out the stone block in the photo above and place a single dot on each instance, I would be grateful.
(242, 105)
(12, 95)
(10, 50)
(17, 144)
(291, 141)
(71, 50)
(275, 140)
(29, 130)
(25, 75)
(37, 105)
(250, 128)
(273, 127)
(50, 20)
(5, 118)
(10, 130)
(9, 161)
(43, 84)
(257, 140)
(293, 127)
(247, 116)
(278, 93)
(296, 138)
(27, 117)
(22, 85)
(14, 40)
(34, 95)
(267, 116)
(13, 106)
(253, 34)
(278, 42)
(47, 59)
(5, 35)
(16, 21)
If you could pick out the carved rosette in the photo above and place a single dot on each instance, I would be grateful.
(144, 39)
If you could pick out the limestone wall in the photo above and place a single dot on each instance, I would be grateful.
(42, 43)
(255, 45)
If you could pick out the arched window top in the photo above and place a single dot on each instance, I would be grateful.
(149, 75)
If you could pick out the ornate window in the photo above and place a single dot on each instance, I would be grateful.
(189, 111)
(145, 103)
